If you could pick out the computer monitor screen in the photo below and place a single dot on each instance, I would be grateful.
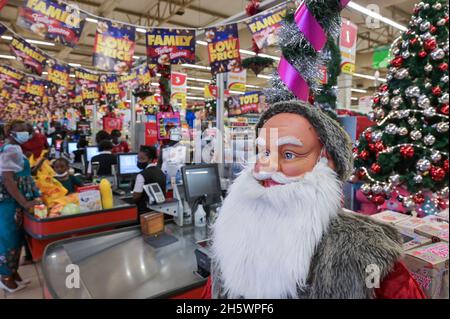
(128, 164)
(91, 151)
(49, 141)
(71, 147)
(200, 180)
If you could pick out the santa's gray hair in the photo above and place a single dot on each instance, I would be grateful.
(336, 141)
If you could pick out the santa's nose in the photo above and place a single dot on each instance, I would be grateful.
(269, 165)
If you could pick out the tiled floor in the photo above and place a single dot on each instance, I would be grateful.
(33, 290)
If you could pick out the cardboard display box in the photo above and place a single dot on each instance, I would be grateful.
(414, 241)
(152, 224)
(434, 230)
(90, 198)
(390, 217)
(429, 266)
(409, 226)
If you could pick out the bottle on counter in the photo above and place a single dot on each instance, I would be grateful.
(106, 194)
(200, 217)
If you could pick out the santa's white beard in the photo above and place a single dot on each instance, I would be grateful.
(264, 238)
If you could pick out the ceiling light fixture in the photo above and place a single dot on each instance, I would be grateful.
(359, 91)
(193, 66)
(376, 16)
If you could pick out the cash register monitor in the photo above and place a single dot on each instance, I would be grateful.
(91, 151)
(71, 147)
(128, 164)
(202, 182)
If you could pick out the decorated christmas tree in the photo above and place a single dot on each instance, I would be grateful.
(408, 147)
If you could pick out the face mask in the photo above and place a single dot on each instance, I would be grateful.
(62, 175)
(142, 166)
(21, 137)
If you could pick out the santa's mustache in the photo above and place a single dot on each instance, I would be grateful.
(277, 177)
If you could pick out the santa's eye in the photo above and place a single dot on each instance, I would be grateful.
(289, 155)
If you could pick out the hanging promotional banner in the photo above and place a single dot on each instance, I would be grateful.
(110, 87)
(87, 84)
(58, 74)
(111, 123)
(244, 104)
(128, 81)
(265, 28)
(167, 121)
(52, 20)
(237, 80)
(114, 46)
(144, 75)
(179, 89)
(35, 87)
(28, 55)
(151, 131)
(210, 92)
(11, 76)
(223, 49)
(347, 42)
(170, 46)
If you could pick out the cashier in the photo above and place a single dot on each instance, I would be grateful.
(105, 159)
(150, 174)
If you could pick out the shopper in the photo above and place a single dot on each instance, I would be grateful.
(147, 158)
(81, 149)
(119, 146)
(61, 167)
(59, 133)
(102, 136)
(15, 174)
(36, 145)
(105, 159)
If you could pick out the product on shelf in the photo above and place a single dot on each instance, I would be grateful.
(434, 230)
(414, 241)
(409, 225)
(429, 266)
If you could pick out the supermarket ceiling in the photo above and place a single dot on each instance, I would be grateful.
(203, 13)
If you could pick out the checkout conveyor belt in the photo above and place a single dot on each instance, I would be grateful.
(120, 264)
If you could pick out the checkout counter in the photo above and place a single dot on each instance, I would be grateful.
(125, 264)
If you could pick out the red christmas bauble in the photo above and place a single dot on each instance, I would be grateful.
(376, 100)
(311, 99)
(378, 199)
(384, 87)
(407, 152)
(437, 174)
(422, 54)
(419, 199)
(361, 174)
(380, 146)
(433, 29)
(372, 147)
(355, 150)
(444, 109)
(442, 204)
(445, 166)
(413, 41)
(368, 136)
(446, 19)
(376, 168)
(364, 155)
(437, 91)
(430, 44)
(397, 62)
(443, 66)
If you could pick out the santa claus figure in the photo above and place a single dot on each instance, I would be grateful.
(282, 232)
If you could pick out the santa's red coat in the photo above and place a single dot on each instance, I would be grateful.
(399, 284)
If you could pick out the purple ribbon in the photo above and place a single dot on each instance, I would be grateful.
(314, 33)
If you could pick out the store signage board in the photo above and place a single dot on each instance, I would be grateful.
(245, 104)
(52, 20)
(114, 47)
(58, 74)
(236, 81)
(170, 46)
(264, 28)
(167, 121)
(179, 89)
(111, 123)
(223, 49)
(381, 57)
(151, 131)
(349, 34)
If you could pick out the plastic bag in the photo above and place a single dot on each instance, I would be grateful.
(46, 170)
(51, 189)
(11, 159)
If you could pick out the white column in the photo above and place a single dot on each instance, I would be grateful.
(220, 110)
(345, 91)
